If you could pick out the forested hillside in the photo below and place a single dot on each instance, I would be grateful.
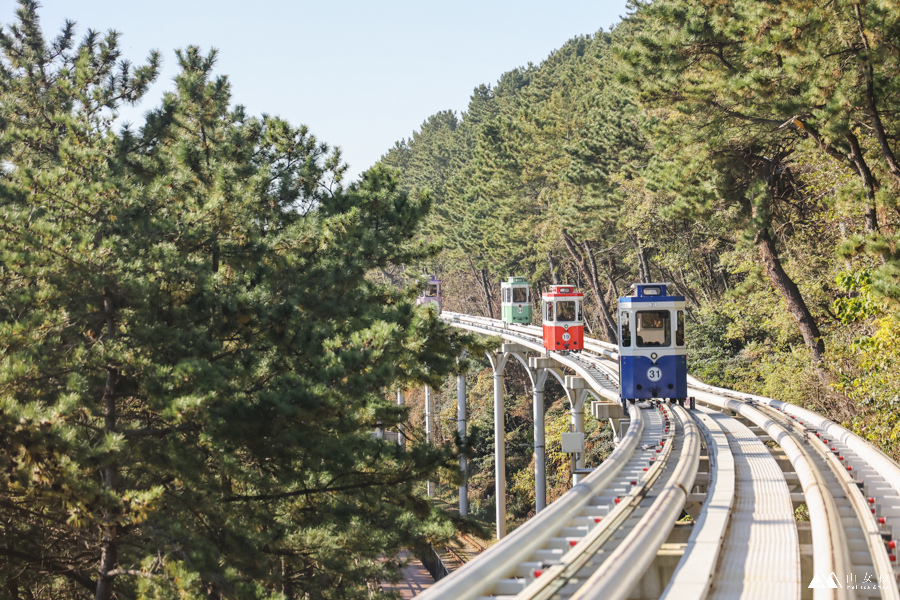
(744, 151)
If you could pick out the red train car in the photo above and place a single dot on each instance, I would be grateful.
(563, 322)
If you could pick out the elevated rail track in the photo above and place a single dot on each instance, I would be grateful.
(697, 503)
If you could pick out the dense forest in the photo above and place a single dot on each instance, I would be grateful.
(202, 323)
(743, 151)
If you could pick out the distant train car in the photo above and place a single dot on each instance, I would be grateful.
(515, 300)
(652, 353)
(563, 324)
(431, 293)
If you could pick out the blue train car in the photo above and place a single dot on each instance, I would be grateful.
(652, 353)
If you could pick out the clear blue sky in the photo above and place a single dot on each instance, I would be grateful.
(361, 74)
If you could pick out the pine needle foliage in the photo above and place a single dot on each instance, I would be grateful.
(194, 359)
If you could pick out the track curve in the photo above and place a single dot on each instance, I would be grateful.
(614, 535)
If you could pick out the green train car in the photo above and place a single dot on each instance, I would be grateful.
(515, 300)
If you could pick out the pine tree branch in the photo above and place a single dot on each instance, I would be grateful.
(58, 569)
(160, 431)
(323, 490)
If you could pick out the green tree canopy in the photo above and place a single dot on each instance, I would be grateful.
(194, 355)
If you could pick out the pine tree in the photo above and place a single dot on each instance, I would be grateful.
(194, 354)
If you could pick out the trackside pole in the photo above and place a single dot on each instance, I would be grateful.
(429, 427)
(578, 425)
(576, 390)
(461, 428)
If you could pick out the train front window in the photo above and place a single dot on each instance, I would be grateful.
(679, 328)
(625, 322)
(520, 294)
(565, 310)
(654, 328)
(431, 290)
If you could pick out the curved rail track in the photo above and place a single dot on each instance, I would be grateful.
(700, 504)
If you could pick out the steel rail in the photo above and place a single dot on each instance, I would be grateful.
(878, 460)
(478, 577)
(830, 553)
(865, 517)
(588, 365)
(468, 538)
(628, 562)
(605, 349)
(877, 474)
(694, 573)
(552, 581)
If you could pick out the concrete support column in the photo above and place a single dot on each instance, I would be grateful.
(461, 429)
(540, 475)
(539, 369)
(429, 427)
(499, 455)
(498, 362)
(400, 402)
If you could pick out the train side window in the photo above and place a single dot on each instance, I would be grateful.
(578, 311)
(679, 329)
(548, 310)
(565, 310)
(520, 294)
(625, 326)
(654, 328)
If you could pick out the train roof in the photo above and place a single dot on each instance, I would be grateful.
(650, 292)
(559, 291)
(511, 281)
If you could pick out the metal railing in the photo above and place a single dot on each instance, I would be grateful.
(432, 561)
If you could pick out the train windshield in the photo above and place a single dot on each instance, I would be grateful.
(654, 328)
(431, 290)
(520, 294)
(566, 311)
(625, 322)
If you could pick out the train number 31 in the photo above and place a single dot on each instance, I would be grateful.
(654, 373)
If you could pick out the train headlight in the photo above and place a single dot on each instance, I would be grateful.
(654, 355)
